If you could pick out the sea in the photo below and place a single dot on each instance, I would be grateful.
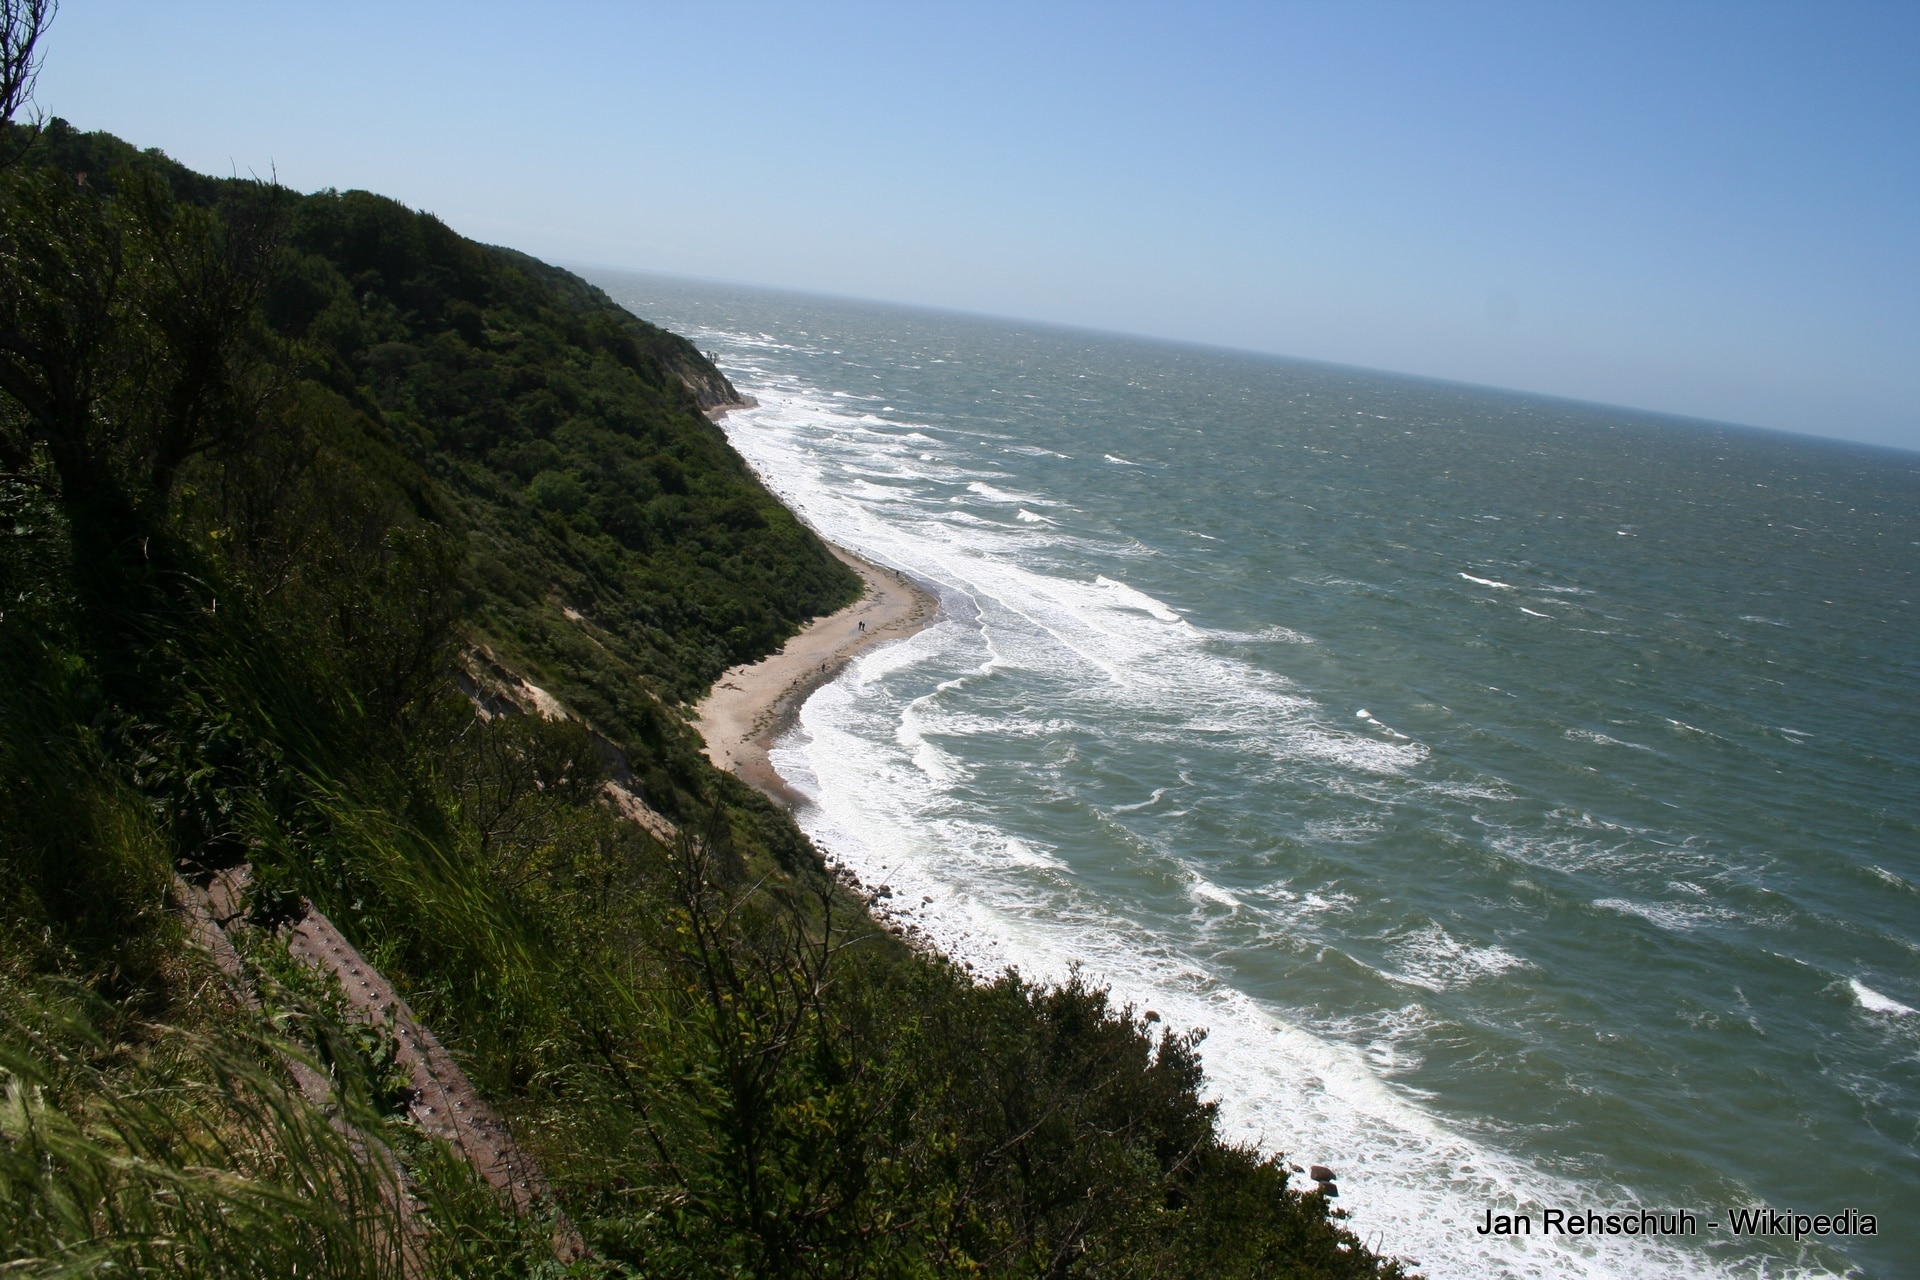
(1523, 794)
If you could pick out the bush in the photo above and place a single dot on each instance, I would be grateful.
(557, 491)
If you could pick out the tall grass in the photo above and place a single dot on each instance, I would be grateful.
(149, 1124)
(196, 1158)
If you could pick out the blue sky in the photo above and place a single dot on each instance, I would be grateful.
(1706, 209)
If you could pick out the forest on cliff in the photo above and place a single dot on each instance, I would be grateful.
(296, 492)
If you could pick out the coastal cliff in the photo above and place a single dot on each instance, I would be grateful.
(356, 572)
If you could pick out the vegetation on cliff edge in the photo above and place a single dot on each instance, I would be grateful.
(270, 466)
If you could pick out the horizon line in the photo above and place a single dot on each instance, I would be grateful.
(1223, 348)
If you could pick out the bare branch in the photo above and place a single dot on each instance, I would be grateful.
(22, 23)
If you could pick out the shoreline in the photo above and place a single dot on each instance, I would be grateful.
(750, 706)
(720, 411)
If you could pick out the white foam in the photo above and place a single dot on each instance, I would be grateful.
(1130, 599)
(1617, 853)
(1021, 853)
(881, 492)
(1602, 740)
(1149, 802)
(1873, 1002)
(1892, 878)
(1265, 635)
(936, 764)
(1389, 730)
(1344, 830)
(1434, 959)
(980, 488)
(1390, 1037)
(1204, 891)
(1489, 582)
(1119, 462)
(1672, 917)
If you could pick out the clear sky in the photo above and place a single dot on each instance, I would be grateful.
(1710, 209)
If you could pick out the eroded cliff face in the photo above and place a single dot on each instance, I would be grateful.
(709, 386)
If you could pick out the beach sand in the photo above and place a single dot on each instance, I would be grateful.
(750, 706)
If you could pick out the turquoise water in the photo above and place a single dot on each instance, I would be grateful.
(1522, 793)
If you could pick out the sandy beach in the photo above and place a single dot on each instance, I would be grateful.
(720, 411)
(751, 705)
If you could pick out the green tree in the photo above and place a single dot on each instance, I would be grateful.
(130, 342)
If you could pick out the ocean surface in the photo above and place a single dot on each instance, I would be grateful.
(1524, 794)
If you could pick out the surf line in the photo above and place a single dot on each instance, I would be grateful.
(752, 705)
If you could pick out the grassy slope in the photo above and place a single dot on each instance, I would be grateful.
(723, 1068)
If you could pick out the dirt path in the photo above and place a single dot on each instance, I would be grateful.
(753, 704)
(445, 1104)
